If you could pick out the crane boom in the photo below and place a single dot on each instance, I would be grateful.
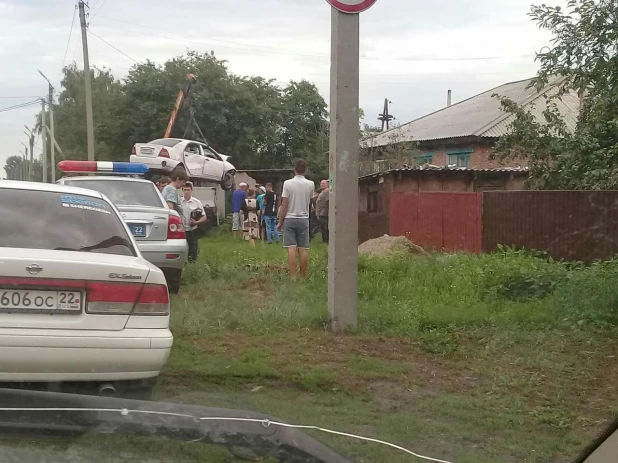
(180, 101)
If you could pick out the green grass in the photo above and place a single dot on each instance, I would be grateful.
(398, 295)
(506, 357)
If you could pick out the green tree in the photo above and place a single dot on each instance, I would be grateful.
(251, 119)
(16, 168)
(111, 129)
(583, 53)
(303, 130)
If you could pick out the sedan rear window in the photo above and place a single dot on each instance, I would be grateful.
(58, 221)
(169, 142)
(122, 192)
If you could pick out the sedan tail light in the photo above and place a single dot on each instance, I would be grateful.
(164, 153)
(154, 300)
(127, 298)
(175, 228)
(133, 150)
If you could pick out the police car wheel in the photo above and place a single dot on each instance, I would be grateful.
(228, 181)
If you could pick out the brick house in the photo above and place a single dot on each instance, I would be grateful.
(464, 133)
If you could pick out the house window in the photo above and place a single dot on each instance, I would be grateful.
(459, 158)
(424, 158)
(372, 201)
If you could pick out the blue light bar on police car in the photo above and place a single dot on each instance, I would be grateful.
(104, 167)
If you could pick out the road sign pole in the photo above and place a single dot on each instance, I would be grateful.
(344, 168)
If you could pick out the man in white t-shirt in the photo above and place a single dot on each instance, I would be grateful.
(193, 215)
(296, 197)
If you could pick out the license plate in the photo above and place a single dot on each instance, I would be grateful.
(138, 230)
(23, 300)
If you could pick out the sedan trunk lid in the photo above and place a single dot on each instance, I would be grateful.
(74, 279)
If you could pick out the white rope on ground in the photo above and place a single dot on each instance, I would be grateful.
(264, 422)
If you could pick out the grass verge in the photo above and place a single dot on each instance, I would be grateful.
(505, 357)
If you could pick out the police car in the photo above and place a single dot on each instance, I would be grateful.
(158, 230)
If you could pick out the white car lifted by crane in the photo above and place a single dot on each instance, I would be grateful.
(199, 160)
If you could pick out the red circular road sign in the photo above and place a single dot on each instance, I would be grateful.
(351, 6)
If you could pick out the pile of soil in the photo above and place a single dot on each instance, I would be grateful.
(385, 245)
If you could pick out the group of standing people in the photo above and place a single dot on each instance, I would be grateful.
(259, 213)
(254, 213)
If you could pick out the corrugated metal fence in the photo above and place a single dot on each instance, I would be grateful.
(572, 225)
(450, 221)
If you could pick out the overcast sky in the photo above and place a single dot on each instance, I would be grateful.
(412, 51)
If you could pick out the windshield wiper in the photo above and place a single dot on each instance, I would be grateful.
(108, 243)
(45, 413)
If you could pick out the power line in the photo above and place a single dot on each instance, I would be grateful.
(77, 48)
(19, 97)
(70, 34)
(117, 49)
(97, 12)
(19, 106)
(207, 41)
(242, 46)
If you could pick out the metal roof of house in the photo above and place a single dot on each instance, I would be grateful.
(432, 168)
(481, 115)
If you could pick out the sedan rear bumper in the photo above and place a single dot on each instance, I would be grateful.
(38, 355)
(170, 254)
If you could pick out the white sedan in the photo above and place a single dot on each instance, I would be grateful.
(78, 302)
(198, 160)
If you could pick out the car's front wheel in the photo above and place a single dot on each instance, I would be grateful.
(227, 183)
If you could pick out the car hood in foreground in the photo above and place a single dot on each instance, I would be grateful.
(45, 413)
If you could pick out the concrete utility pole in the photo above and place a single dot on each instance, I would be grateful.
(50, 101)
(44, 139)
(24, 164)
(51, 126)
(89, 117)
(31, 140)
(344, 168)
(449, 98)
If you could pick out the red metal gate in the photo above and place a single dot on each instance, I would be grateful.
(449, 221)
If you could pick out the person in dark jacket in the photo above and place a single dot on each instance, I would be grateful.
(313, 216)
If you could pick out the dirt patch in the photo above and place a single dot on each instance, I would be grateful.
(395, 373)
(255, 284)
(258, 288)
(360, 364)
(385, 245)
